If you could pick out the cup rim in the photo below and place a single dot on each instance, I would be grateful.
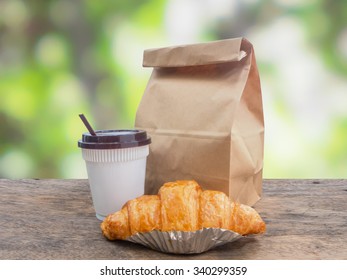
(114, 139)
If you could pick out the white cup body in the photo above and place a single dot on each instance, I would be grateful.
(115, 176)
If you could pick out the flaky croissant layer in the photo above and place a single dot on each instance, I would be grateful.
(181, 206)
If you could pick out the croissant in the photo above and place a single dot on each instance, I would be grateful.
(181, 206)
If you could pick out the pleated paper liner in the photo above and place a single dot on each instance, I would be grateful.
(185, 242)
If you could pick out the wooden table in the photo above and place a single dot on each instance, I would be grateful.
(55, 219)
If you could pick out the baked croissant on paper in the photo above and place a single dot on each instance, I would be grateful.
(181, 206)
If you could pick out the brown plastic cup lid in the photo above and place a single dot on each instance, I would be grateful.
(114, 139)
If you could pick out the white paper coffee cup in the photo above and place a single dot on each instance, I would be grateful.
(116, 167)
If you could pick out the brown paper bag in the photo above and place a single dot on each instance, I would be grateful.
(203, 110)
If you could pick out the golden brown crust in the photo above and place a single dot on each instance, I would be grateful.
(180, 205)
(245, 220)
(214, 210)
(116, 226)
(144, 214)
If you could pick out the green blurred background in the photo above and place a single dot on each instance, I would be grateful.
(59, 58)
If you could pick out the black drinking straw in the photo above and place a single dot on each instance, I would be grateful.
(88, 126)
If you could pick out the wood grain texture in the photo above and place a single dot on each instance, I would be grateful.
(55, 219)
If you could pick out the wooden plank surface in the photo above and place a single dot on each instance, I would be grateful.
(54, 219)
